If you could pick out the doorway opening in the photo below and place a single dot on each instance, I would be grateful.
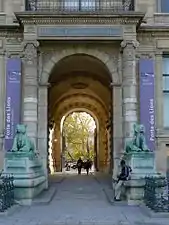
(79, 131)
(80, 83)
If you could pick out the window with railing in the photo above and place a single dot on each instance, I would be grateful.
(79, 5)
(166, 90)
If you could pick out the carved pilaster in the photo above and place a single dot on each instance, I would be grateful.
(43, 124)
(30, 89)
(129, 83)
(158, 89)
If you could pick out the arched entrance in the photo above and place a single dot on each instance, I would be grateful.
(88, 125)
(80, 78)
(81, 81)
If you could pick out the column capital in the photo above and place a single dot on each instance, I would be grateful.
(30, 52)
(126, 43)
(26, 44)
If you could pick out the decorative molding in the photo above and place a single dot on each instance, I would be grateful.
(30, 29)
(158, 52)
(77, 96)
(145, 38)
(14, 40)
(56, 18)
(128, 49)
(45, 85)
(145, 55)
(115, 85)
(30, 52)
(14, 54)
(129, 43)
(2, 52)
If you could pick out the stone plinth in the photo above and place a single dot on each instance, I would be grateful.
(142, 165)
(29, 179)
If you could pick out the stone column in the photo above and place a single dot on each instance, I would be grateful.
(30, 90)
(43, 126)
(158, 90)
(117, 129)
(129, 91)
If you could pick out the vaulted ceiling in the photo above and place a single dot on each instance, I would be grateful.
(79, 81)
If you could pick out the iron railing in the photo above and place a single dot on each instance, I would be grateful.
(80, 6)
(6, 192)
(156, 194)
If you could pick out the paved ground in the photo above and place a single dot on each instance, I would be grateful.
(80, 200)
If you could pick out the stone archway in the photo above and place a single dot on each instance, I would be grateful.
(111, 71)
(98, 112)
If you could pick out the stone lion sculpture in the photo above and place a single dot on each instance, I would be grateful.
(138, 143)
(22, 142)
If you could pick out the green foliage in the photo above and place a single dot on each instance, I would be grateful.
(77, 129)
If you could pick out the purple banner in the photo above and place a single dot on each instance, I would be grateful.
(13, 100)
(147, 101)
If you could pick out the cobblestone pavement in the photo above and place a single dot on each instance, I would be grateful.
(79, 200)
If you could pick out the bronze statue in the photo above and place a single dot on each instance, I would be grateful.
(22, 142)
(138, 143)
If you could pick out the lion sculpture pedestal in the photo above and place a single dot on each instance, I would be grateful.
(26, 167)
(142, 162)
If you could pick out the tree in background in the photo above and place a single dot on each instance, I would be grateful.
(78, 130)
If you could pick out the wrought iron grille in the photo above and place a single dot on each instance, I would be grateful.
(156, 194)
(80, 6)
(6, 192)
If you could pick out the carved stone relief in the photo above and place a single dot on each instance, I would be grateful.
(145, 55)
(128, 48)
(30, 53)
(15, 40)
(129, 44)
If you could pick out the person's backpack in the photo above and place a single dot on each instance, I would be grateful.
(128, 172)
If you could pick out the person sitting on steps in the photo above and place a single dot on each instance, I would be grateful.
(122, 177)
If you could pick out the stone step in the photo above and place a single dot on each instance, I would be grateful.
(77, 196)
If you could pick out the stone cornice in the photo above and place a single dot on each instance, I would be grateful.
(55, 18)
(11, 31)
(154, 30)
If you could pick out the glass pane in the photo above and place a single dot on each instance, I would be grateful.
(166, 83)
(79, 5)
(166, 110)
(88, 5)
(71, 5)
(166, 64)
(165, 6)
